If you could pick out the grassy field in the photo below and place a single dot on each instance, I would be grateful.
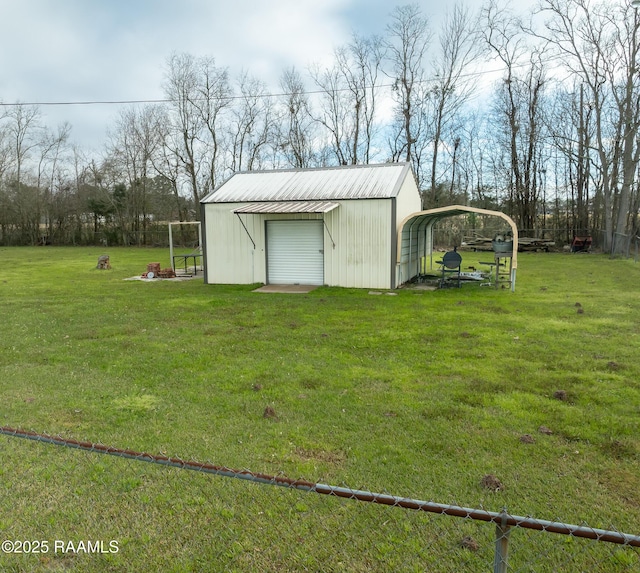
(420, 394)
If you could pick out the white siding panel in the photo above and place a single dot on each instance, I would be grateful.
(408, 202)
(362, 233)
(229, 250)
(295, 253)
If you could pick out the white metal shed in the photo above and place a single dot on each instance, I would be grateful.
(334, 226)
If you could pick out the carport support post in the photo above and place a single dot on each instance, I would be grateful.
(501, 555)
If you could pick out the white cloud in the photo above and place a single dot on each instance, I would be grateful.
(105, 50)
(82, 44)
(80, 50)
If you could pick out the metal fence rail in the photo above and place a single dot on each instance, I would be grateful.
(503, 521)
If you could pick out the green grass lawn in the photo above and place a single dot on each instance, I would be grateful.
(420, 394)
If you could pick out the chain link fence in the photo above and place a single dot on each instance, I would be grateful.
(156, 234)
(131, 511)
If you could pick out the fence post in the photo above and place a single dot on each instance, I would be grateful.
(502, 544)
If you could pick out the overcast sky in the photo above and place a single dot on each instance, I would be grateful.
(114, 50)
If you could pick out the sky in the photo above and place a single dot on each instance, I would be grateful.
(116, 50)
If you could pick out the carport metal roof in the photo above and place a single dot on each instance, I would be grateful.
(424, 221)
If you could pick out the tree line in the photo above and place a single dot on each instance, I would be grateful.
(553, 141)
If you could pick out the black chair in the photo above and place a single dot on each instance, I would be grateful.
(451, 263)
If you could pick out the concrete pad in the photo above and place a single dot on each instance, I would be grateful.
(287, 289)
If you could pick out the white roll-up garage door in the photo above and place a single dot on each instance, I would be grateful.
(295, 252)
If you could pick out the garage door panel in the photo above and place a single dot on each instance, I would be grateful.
(295, 252)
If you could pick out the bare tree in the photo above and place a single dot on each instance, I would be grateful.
(167, 164)
(363, 70)
(24, 135)
(598, 43)
(52, 148)
(459, 49)
(251, 125)
(349, 94)
(296, 135)
(407, 40)
(135, 141)
(5, 145)
(213, 98)
(334, 113)
(519, 108)
(570, 125)
(181, 88)
(23, 131)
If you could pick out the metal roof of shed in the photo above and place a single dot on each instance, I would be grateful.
(381, 181)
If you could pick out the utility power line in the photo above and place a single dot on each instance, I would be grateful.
(230, 97)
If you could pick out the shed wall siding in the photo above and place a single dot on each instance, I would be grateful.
(231, 257)
(408, 202)
(229, 250)
(360, 229)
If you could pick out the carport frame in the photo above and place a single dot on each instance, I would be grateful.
(423, 222)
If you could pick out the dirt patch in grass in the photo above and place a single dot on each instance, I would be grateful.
(492, 483)
(620, 449)
(269, 412)
(330, 457)
(561, 395)
(622, 483)
(466, 334)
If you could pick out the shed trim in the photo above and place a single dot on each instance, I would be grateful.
(281, 207)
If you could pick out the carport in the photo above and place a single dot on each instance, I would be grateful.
(415, 239)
